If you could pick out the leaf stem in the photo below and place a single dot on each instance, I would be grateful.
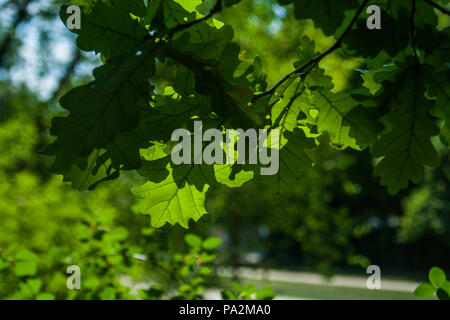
(438, 6)
(216, 9)
(412, 29)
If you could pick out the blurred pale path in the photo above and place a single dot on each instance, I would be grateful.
(296, 285)
(317, 279)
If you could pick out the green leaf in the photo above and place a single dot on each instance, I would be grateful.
(364, 126)
(115, 235)
(231, 175)
(184, 271)
(436, 277)
(185, 288)
(439, 91)
(193, 240)
(443, 292)
(25, 255)
(171, 112)
(340, 114)
(227, 295)
(305, 52)
(86, 174)
(436, 46)
(175, 14)
(405, 146)
(25, 268)
(345, 127)
(109, 29)
(287, 110)
(152, 10)
(425, 291)
(109, 293)
(206, 41)
(207, 257)
(265, 293)
(25, 263)
(99, 113)
(197, 280)
(393, 36)
(395, 33)
(206, 271)
(3, 264)
(293, 161)
(45, 296)
(155, 292)
(34, 285)
(206, 49)
(177, 199)
(212, 243)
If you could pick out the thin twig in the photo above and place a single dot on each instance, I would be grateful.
(217, 8)
(317, 59)
(22, 15)
(413, 29)
(438, 6)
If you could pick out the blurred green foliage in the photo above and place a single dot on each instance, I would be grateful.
(247, 292)
(438, 285)
(336, 217)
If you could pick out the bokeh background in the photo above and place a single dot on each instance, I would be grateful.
(313, 242)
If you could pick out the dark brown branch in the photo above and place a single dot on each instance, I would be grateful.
(217, 8)
(22, 15)
(313, 62)
(438, 6)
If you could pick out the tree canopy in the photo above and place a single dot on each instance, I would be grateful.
(122, 120)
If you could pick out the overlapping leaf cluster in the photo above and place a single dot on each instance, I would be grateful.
(123, 120)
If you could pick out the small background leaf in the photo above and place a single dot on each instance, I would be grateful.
(436, 276)
(193, 240)
(212, 243)
(424, 291)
